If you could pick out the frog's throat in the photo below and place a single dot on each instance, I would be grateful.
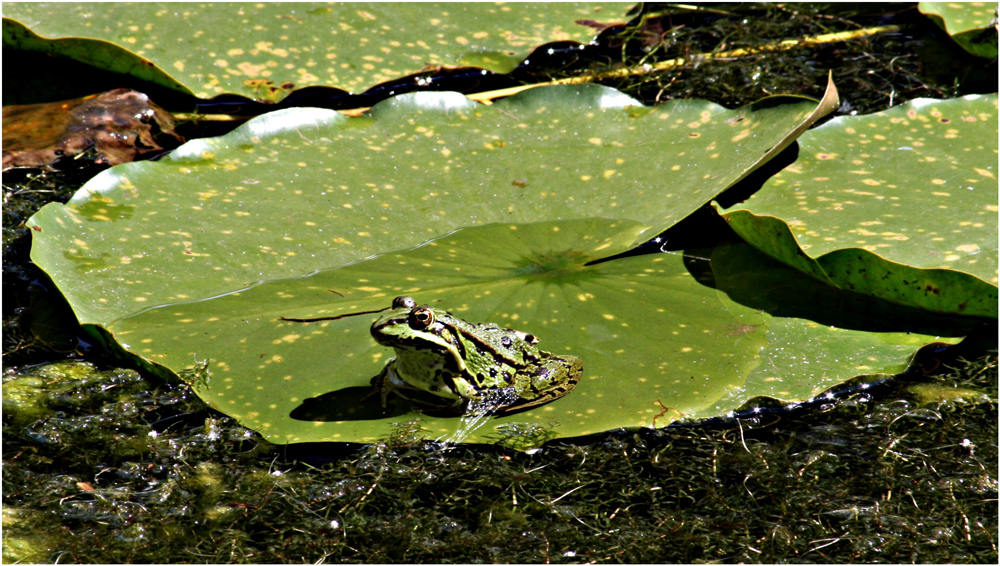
(426, 369)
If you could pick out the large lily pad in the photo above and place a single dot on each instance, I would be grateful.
(232, 47)
(657, 345)
(901, 204)
(305, 189)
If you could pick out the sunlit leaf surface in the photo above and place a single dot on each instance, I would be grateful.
(971, 24)
(304, 189)
(215, 48)
(191, 262)
(657, 345)
(915, 185)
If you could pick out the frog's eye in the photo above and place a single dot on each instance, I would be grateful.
(421, 317)
(403, 302)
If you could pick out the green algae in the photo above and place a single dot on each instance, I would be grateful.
(879, 476)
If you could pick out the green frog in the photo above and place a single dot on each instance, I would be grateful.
(456, 367)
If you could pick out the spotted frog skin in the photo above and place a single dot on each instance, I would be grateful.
(450, 365)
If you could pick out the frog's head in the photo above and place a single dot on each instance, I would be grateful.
(408, 326)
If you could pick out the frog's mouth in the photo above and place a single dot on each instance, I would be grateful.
(429, 347)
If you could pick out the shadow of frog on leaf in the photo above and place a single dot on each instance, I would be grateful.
(346, 405)
(357, 404)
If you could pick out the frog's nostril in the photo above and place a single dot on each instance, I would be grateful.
(403, 302)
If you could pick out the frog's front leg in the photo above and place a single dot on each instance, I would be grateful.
(383, 384)
(388, 382)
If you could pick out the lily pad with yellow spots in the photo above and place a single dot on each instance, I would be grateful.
(657, 345)
(299, 190)
(901, 205)
(241, 48)
(973, 25)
